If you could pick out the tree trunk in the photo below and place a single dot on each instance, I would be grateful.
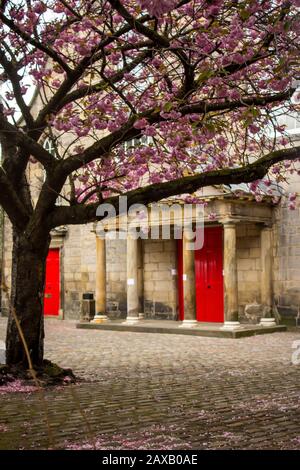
(27, 297)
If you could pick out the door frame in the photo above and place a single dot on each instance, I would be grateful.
(180, 283)
(60, 315)
(220, 246)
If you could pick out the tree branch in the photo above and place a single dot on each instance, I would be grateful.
(12, 73)
(91, 89)
(81, 214)
(29, 40)
(26, 142)
(127, 131)
(134, 23)
(256, 100)
(54, 104)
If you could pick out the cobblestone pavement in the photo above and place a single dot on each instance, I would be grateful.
(157, 391)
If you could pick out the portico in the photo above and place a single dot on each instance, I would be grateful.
(184, 276)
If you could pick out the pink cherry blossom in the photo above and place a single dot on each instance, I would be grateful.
(140, 123)
(157, 7)
(153, 114)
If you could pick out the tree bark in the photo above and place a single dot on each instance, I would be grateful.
(27, 298)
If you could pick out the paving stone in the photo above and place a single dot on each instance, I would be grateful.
(147, 390)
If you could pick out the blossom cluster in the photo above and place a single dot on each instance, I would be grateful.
(193, 96)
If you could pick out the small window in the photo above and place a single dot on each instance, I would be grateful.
(292, 123)
(292, 120)
(143, 140)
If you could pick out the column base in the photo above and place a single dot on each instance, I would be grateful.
(267, 322)
(231, 325)
(188, 324)
(132, 320)
(100, 318)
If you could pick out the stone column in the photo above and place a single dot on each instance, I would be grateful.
(100, 316)
(266, 276)
(132, 280)
(230, 277)
(189, 288)
(140, 278)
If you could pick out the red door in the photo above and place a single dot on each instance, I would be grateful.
(209, 277)
(51, 297)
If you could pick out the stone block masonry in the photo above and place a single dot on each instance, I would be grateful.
(286, 255)
(160, 283)
(147, 390)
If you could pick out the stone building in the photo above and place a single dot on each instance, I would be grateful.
(237, 276)
(247, 270)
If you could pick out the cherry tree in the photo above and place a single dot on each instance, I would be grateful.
(144, 98)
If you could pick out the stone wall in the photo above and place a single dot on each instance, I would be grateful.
(160, 289)
(160, 286)
(78, 269)
(6, 263)
(249, 272)
(116, 276)
(78, 257)
(286, 282)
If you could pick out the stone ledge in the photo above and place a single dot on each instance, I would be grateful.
(208, 330)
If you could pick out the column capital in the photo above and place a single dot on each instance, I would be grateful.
(267, 226)
(103, 237)
(96, 231)
(229, 223)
